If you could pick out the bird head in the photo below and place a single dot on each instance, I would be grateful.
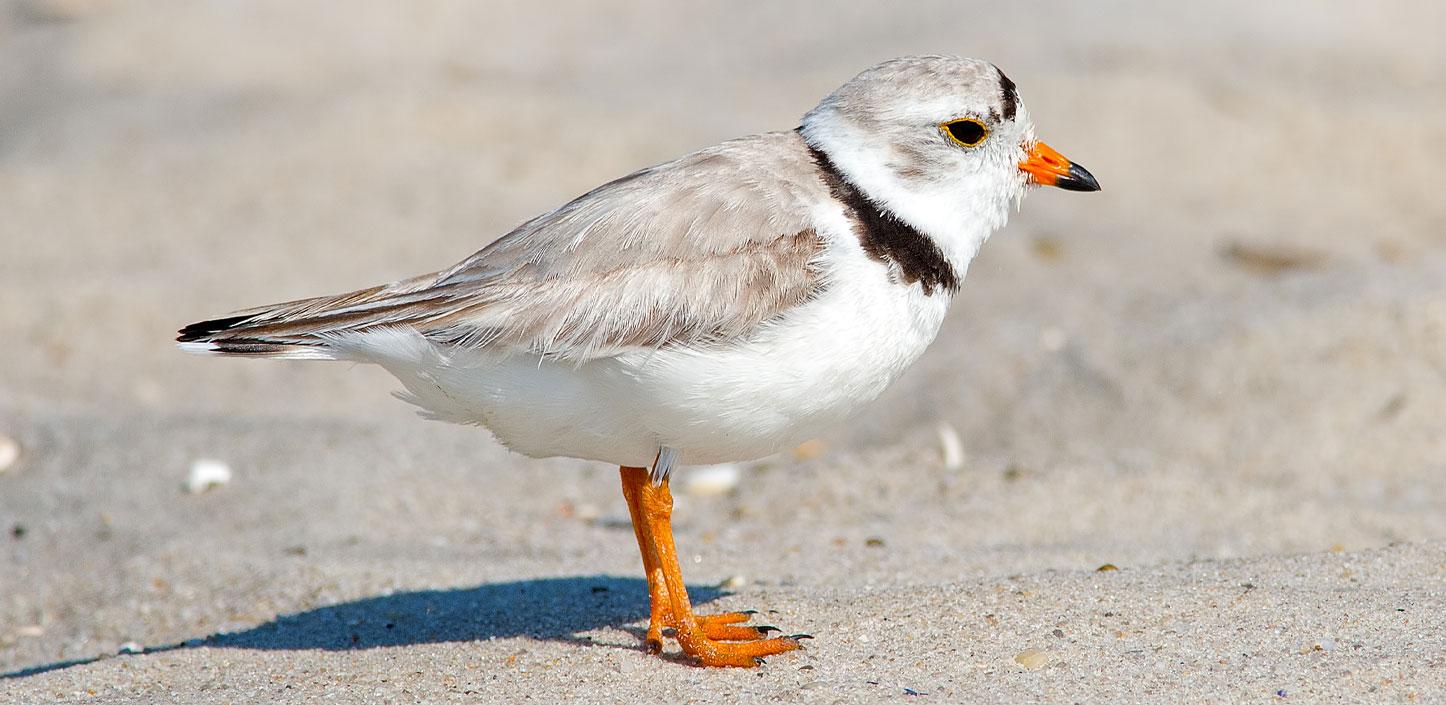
(943, 142)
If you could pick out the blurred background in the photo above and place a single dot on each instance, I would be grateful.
(1237, 348)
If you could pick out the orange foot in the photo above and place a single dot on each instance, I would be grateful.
(720, 640)
(711, 640)
(727, 626)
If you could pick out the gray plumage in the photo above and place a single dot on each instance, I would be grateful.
(703, 248)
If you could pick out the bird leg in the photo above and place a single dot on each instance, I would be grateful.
(713, 640)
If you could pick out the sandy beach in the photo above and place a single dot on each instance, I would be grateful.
(1201, 415)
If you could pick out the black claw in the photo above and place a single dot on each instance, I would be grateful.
(796, 637)
(747, 611)
(758, 661)
(653, 646)
(766, 628)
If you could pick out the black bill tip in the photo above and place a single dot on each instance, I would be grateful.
(1079, 179)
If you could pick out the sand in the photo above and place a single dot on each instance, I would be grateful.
(1224, 375)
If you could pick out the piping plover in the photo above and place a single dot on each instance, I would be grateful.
(719, 307)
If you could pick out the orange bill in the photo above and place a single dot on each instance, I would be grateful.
(1047, 167)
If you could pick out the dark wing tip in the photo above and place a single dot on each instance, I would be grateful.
(205, 329)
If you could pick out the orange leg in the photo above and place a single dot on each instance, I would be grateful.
(633, 480)
(714, 640)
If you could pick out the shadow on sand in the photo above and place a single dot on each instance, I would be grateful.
(544, 608)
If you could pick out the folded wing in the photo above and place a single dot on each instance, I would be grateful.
(703, 249)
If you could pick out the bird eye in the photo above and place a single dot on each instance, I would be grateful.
(967, 132)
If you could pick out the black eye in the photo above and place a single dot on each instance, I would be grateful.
(968, 132)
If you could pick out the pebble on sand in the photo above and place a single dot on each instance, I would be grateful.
(809, 450)
(712, 480)
(1033, 659)
(205, 474)
(1053, 339)
(951, 447)
(9, 452)
(733, 583)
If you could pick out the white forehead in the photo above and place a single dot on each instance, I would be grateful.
(930, 88)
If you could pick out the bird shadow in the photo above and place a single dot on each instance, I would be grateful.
(554, 609)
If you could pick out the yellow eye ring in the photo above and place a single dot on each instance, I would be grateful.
(965, 132)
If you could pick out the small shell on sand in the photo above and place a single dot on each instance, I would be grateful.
(712, 480)
(205, 474)
(586, 512)
(9, 452)
(809, 450)
(1053, 339)
(733, 583)
(951, 447)
(1033, 659)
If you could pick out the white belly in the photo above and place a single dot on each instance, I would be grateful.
(808, 372)
(805, 376)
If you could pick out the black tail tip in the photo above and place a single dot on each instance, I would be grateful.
(205, 329)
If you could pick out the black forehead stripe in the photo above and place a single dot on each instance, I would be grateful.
(885, 236)
(1011, 98)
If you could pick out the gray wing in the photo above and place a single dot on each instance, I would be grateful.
(706, 248)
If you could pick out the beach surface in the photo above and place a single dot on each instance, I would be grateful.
(1181, 440)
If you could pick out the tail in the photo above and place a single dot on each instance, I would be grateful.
(308, 329)
(235, 335)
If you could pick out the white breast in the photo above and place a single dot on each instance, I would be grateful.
(804, 375)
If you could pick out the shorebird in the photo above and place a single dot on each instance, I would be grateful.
(719, 307)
